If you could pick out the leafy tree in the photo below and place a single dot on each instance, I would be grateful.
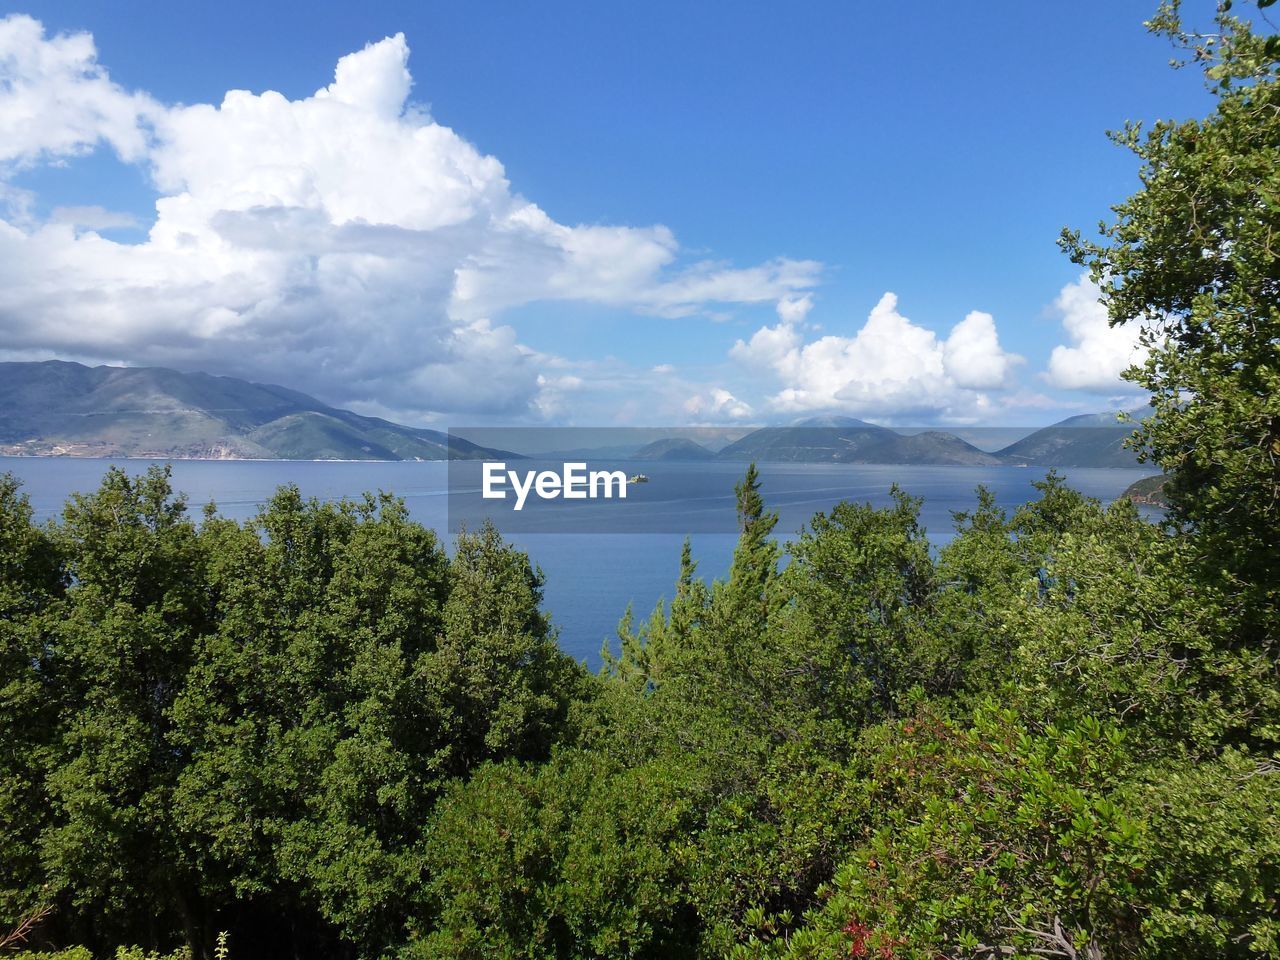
(311, 750)
(502, 685)
(987, 837)
(30, 579)
(120, 643)
(355, 671)
(648, 652)
(1191, 259)
(861, 583)
(572, 859)
(1121, 627)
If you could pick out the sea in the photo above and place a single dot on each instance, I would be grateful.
(592, 575)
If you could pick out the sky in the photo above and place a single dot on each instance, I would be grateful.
(453, 213)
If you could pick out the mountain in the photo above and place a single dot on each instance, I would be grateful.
(802, 444)
(619, 451)
(934, 446)
(673, 448)
(834, 421)
(1148, 491)
(853, 441)
(56, 407)
(1091, 440)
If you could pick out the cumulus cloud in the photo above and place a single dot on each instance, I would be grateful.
(716, 405)
(56, 100)
(889, 367)
(1098, 352)
(345, 242)
(793, 310)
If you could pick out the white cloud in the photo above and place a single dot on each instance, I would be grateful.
(793, 310)
(555, 396)
(1098, 352)
(344, 243)
(56, 100)
(889, 367)
(93, 217)
(971, 355)
(717, 404)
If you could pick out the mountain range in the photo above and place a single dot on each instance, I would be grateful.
(846, 440)
(56, 407)
(1093, 440)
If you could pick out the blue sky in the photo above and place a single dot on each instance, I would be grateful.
(724, 192)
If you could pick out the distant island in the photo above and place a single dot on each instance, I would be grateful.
(58, 408)
(674, 448)
(846, 440)
(1092, 440)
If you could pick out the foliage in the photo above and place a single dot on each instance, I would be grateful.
(1191, 260)
(30, 579)
(259, 715)
(1057, 735)
(560, 861)
(120, 953)
(989, 838)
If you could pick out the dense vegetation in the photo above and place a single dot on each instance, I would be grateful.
(1059, 736)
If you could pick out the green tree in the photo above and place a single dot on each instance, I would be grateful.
(1192, 260)
(861, 584)
(647, 652)
(30, 579)
(312, 753)
(355, 671)
(575, 858)
(120, 642)
(720, 680)
(755, 559)
(986, 837)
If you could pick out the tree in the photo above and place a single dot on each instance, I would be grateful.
(575, 858)
(30, 579)
(353, 673)
(120, 643)
(646, 653)
(986, 837)
(755, 560)
(861, 589)
(313, 757)
(1193, 259)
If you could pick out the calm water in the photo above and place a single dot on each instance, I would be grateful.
(591, 577)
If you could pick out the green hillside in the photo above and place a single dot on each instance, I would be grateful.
(69, 409)
(1148, 490)
(1091, 440)
(673, 448)
(852, 441)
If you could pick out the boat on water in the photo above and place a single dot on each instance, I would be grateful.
(638, 478)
